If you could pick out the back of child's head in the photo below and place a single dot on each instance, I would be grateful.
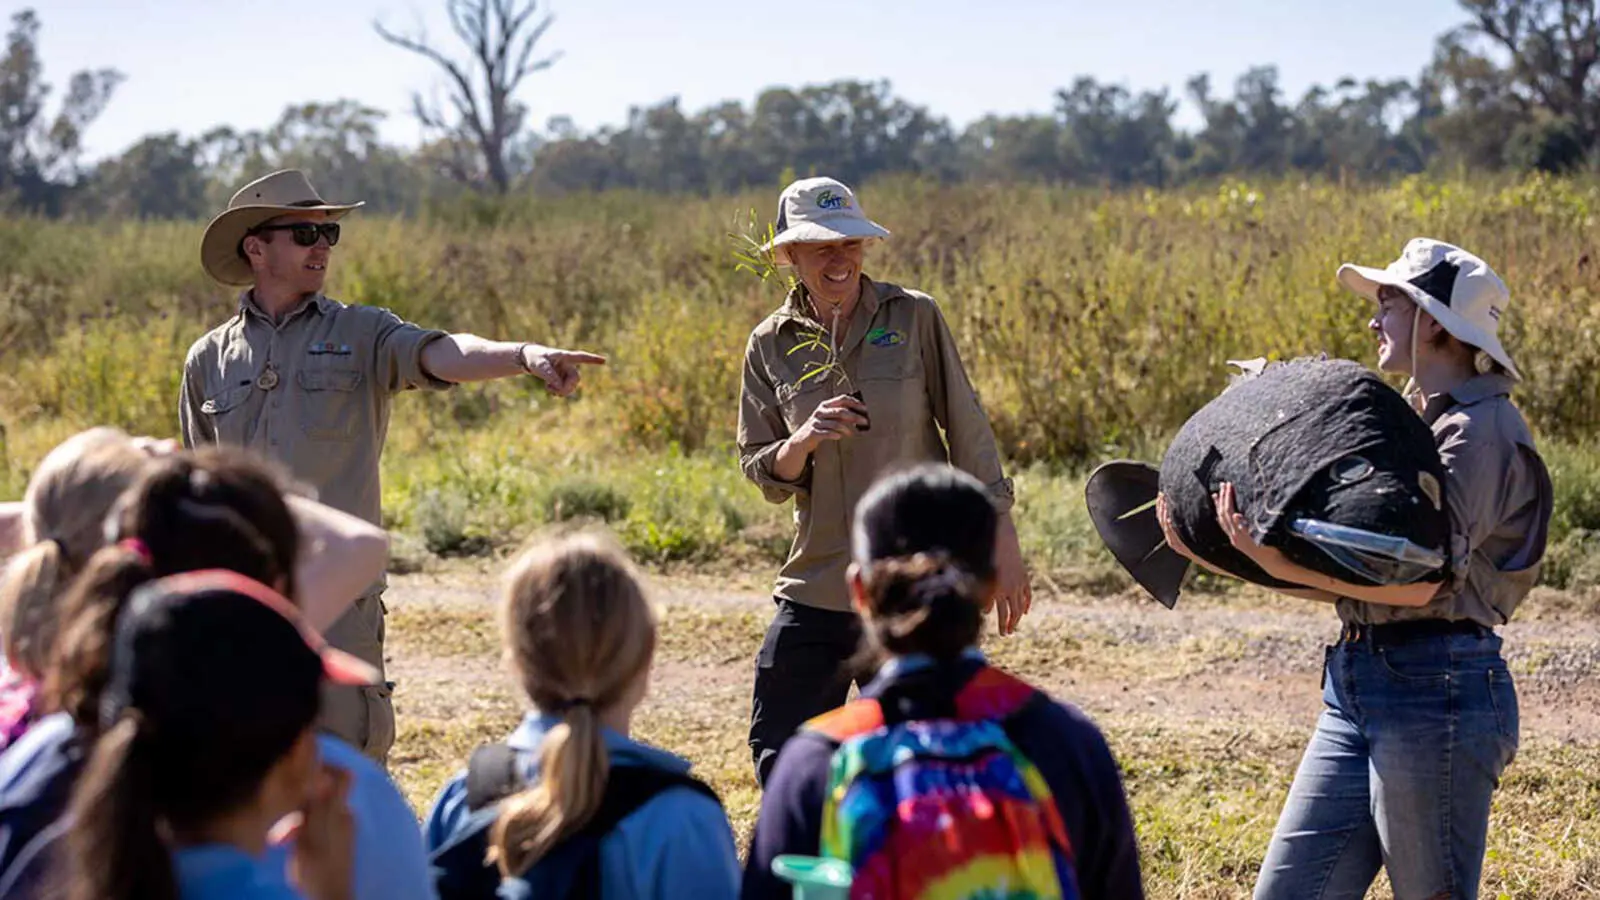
(580, 637)
(211, 685)
(216, 508)
(924, 541)
(64, 512)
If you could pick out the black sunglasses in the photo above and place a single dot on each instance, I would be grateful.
(306, 234)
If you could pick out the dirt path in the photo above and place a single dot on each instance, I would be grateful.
(1245, 662)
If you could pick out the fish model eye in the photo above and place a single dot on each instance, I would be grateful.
(1350, 470)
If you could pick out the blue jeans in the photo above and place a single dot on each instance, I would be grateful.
(1399, 774)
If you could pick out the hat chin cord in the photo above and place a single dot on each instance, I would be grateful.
(1482, 363)
(1412, 392)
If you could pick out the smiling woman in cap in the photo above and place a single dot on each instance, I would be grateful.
(849, 379)
(1421, 712)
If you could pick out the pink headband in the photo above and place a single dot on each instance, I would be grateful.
(137, 548)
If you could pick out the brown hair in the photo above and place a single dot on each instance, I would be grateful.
(578, 634)
(65, 508)
(924, 603)
(924, 541)
(215, 508)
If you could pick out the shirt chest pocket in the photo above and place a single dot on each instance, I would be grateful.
(890, 379)
(330, 403)
(898, 361)
(225, 409)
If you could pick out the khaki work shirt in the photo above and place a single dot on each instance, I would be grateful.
(311, 392)
(900, 354)
(1500, 500)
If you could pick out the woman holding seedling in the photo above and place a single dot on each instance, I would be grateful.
(1420, 716)
(849, 379)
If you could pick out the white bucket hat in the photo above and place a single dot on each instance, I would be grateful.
(819, 209)
(1458, 289)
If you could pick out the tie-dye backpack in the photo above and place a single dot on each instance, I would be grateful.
(943, 807)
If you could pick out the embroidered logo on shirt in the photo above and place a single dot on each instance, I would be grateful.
(885, 337)
(329, 348)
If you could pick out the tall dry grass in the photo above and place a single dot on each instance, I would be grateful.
(1093, 324)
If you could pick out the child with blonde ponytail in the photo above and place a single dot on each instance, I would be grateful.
(570, 805)
(61, 523)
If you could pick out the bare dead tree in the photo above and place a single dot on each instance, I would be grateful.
(484, 115)
(1554, 49)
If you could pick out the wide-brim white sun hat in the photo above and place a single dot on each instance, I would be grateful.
(817, 210)
(1457, 288)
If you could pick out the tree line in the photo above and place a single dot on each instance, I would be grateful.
(1512, 87)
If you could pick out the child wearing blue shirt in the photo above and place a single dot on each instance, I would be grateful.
(211, 509)
(581, 639)
(207, 743)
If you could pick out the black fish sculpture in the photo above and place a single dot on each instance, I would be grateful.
(1329, 464)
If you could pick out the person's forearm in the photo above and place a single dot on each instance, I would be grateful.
(341, 556)
(790, 463)
(1282, 568)
(1310, 594)
(462, 358)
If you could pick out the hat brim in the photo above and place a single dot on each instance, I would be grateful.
(1365, 281)
(1121, 496)
(219, 248)
(344, 668)
(843, 228)
(338, 666)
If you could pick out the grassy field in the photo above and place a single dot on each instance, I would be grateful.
(1092, 323)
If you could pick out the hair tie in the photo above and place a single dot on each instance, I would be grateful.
(137, 548)
(949, 581)
(566, 706)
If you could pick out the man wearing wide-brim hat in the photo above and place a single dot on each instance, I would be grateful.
(306, 380)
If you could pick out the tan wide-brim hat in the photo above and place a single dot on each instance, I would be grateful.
(283, 192)
(818, 210)
(1457, 288)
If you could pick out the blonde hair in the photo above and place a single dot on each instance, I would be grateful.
(579, 635)
(64, 513)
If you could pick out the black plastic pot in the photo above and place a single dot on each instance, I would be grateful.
(856, 395)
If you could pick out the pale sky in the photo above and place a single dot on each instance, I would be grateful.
(193, 64)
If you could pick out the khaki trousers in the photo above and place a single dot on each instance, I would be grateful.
(361, 716)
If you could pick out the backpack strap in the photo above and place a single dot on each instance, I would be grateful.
(994, 695)
(572, 868)
(945, 692)
(491, 775)
(855, 718)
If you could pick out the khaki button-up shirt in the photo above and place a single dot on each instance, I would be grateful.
(900, 354)
(1500, 499)
(311, 391)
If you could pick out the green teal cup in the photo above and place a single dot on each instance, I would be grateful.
(814, 877)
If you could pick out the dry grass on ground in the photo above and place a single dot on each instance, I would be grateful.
(1207, 709)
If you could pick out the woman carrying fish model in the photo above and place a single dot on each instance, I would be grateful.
(1421, 712)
